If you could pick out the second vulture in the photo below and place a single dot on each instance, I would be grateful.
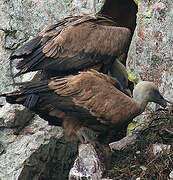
(89, 99)
(79, 43)
(74, 44)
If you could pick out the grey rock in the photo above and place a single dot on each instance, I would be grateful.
(151, 56)
(14, 116)
(119, 145)
(87, 165)
(160, 148)
(36, 151)
(171, 175)
(18, 148)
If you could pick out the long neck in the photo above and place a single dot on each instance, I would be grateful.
(141, 101)
(118, 71)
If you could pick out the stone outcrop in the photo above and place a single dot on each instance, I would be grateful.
(87, 164)
(151, 55)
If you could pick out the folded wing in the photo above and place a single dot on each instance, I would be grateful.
(73, 44)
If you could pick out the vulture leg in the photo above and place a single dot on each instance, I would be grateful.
(83, 137)
(103, 151)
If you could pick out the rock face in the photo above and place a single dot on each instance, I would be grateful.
(87, 165)
(30, 148)
(151, 52)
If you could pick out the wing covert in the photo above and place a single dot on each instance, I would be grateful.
(73, 44)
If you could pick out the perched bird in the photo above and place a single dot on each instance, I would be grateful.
(73, 44)
(89, 99)
(79, 43)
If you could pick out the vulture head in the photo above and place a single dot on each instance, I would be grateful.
(145, 92)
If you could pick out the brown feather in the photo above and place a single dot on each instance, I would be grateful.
(122, 11)
(87, 93)
(73, 44)
(89, 99)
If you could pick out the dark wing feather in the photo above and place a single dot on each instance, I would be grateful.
(73, 44)
(90, 99)
(74, 96)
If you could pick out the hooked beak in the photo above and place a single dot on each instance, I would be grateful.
(163, 102)
(128, 92)
(160, 100)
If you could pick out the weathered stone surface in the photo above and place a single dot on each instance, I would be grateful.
(171, 175)
(14, 116)
(18, 148)
(151, 52)
(87, 165)
(151, 55)
(128, 140)
(33, 149)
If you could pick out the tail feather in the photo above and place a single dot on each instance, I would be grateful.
(28, 93)
(30, 63)
(31, 101)
(27, 48)
(12, 98)
(28, 101)
(35, 90)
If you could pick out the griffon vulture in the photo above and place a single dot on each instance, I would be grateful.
(79, 43)
(89, 99)
(72, 45)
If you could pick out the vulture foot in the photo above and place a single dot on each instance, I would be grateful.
(103, 151)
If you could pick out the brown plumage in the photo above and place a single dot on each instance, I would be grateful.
(73, 44)
(78, 43)
(89, 99)
(123, 12)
